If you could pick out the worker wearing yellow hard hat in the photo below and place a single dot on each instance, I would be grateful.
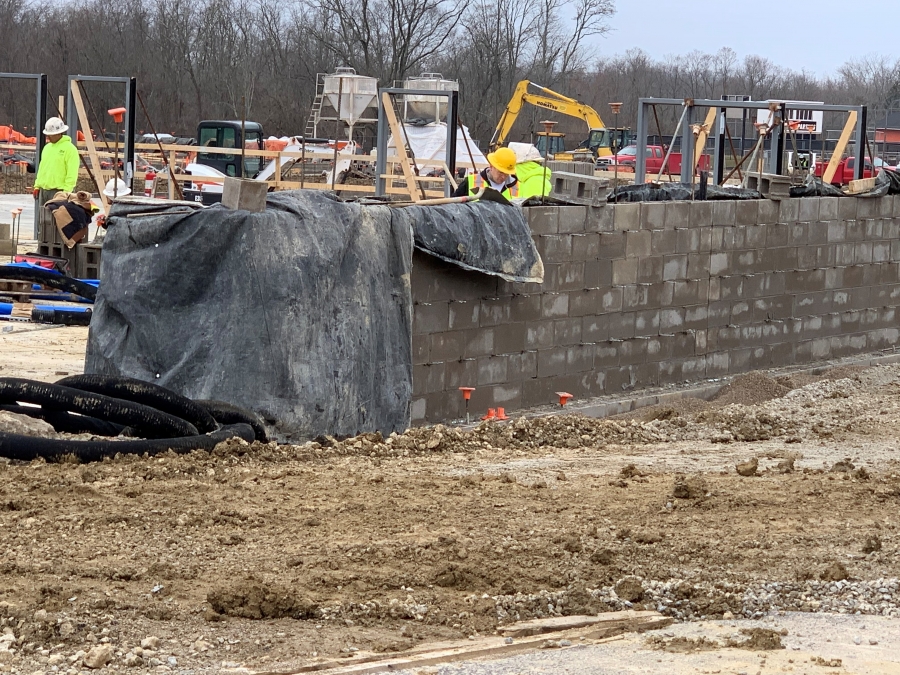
(499, 175)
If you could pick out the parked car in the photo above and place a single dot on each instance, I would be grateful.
(654, 155)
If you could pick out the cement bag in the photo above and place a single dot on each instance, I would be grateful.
(483, 236)
(301, 313)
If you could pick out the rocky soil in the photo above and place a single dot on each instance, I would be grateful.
(274, 557)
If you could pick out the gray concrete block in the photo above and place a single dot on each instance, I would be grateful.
(245, 195)
(768, 211)
(524, 307)
(649, 269)
(828, 208)
(567, 331)
(646, 323)
(671, 319)
(856, 229)
(896, 212)
(461, 373)
(594, 329)
(447, 346)
(522, 366)
(570, 276)
(420, 349)
(874, 228)
(637, 243)
(663, 242)
(543, 219)
(551, 362)
(554, 305)
(586, 246)
(492, 369)
(579, 358)
(675, 267)
(700, 214)
(653, 215)
(837, 230)
(508, 338)
(555, 248)
(747, 212)
(600, 218)
(698, 265)
(612, 244)
(598, 273)
(539, 334)
(478, 342)
(868, 207)
(621, 325)
(788, 210)
(494, 311)
(463, 314)
(719, 263)
(677, 215)
(428, 379)
(777, 234)
(723, 213)
(809, 209)
(5, 231)
(848, 208)
(755, 235)
(625, 271)
(584, 302)
(431, 317)
(572, 219)
(687, 240)
(626, 216)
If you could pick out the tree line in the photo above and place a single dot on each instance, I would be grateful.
(199, 59)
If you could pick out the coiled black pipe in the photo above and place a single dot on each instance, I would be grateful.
(144, 393)
(67, 423)
(48, 278)
(27, 448)
(226, 413)
(147, 422)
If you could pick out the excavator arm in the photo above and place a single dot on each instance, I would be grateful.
(548, 100)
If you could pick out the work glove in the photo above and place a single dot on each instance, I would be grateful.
(35, 192)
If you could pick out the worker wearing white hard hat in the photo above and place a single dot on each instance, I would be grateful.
(57, 172)
(116, 187)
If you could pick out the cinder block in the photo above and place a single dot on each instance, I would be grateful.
(584, 302)
(586, 246)
(788, 210)
(612, 245)
(626, 216)
(428, 379)
(594, 329)
(551, 362)
(244, 195)
(570, 276)
(632, 352)
(463, 373)
(567, 331)
(868, 207)
(494, 311)
(817, 233)
(537, 391)
(810, 304)
(572, 219)
(447, 346)
(598, 273)
(649, 269)
(719, 263)
(521, 366)
(653, 215)
(431, 317)
(543, 219)
(881, 251)
(828, 208)
(755, 236)
(420, 349)
(662, 242)
(896, 213)
(740, 313)
(891, 227)
(671, 319)
(862, 253)
(856, 230)
(837, 230)
(696, 317)
(675, 267)
(638, 243)
(464, 314)
(806, 257)
(538, 334)
(621, 325)
(625, 271)
(732, 238)
(844, 254)
(417, 409)
(646, 323)
(700, 214)
(723, 213)
(848, 208)
(747, 212)
(717, 364)
(478, 342)
(730, 287)
(698, 265)
(509, 338)
(874, 228)
(579, 358)
(768, 211)
(677, 215)
(600, 218)
(4, 231)
(777, 234)
(554, 305)
(523, 308)
(611, 300)
(809, 209)
(492, 370)
(690, 292)
(687, 240)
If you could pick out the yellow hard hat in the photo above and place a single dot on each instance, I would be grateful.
(503, 160)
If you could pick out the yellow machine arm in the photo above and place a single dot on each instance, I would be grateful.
(552, 101)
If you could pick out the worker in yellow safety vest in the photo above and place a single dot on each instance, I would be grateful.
(58, 169)
(534, 177)
(500, 175)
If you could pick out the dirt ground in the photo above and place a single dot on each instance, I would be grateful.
(274, 557)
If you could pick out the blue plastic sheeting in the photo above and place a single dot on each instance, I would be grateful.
(6, 308)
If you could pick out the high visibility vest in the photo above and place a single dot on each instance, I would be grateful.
(476, 182)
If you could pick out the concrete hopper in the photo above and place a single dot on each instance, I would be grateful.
(427, 108)
(350, 94)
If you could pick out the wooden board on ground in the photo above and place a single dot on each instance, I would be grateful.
(861, 185)
(601, 627)
(558, 623)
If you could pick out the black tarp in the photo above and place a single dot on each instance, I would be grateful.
(674, 192)
(482, 236)
(301, 313)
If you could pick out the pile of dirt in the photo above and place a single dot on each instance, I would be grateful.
(759, 640)
(750, 389)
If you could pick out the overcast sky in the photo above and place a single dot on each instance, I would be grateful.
(817, 36)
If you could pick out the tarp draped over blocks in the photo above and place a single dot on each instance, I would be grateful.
(301, 313)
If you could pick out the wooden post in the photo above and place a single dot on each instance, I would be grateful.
(397, 133)
(703, 135)
(840, 147)
(89, 140)
(278, 171)
(171, 174)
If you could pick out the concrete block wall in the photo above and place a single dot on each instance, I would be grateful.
(642, 295)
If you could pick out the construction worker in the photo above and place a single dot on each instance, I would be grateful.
(534, 178)
(58, 170)
(500, 175)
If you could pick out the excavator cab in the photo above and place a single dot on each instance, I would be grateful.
(605, 142)
(227, 134)
(557, 143)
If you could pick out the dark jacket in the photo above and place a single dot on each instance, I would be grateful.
(462, 189)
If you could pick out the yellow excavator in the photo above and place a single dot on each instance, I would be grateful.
(597, 144)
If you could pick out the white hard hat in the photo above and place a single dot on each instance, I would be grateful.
(116, 187)
(55, 126)
(525, 152)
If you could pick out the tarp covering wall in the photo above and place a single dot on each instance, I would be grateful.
(301, 313)
(482, 236)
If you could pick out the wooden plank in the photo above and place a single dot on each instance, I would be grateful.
(839, 148)
(484, 647)
(89, 140)
(700, 143)
(861, 185)
(557, 623)
(397, 132)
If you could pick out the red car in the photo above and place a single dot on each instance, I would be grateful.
(626, 158)
(845, 170)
